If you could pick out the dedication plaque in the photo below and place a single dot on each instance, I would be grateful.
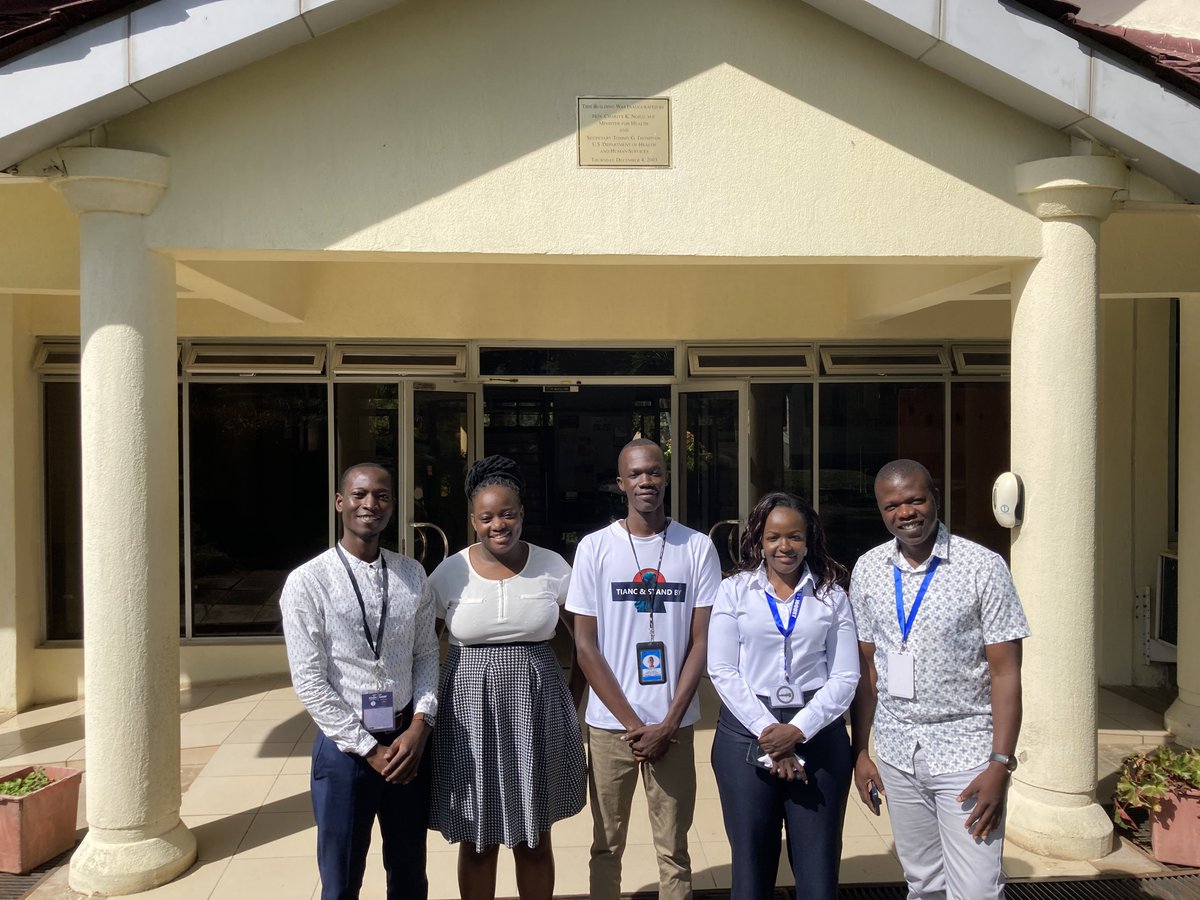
(624, 132)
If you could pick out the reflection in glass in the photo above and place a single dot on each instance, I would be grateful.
(781, 439)
(64, 511)
(441, 447)
(259, 499)
(578, 361)
(367, 425)
(979, 414)
(709, 466)
(567, 445)
(863, 426)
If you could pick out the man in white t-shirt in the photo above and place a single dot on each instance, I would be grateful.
(642, 590)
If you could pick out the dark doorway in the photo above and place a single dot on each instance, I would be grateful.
(566, 441)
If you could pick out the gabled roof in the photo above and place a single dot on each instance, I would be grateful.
(28, 24)
(1076, 77)
(1172, 58)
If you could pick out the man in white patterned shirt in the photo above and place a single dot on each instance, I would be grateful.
(358, 621)
(940, 628)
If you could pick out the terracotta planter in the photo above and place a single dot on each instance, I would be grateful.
(41, 825)
(1175, 832)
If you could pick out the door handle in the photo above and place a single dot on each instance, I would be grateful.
(419, 531)
(734, 525)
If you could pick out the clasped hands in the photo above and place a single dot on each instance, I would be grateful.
(650, 743)
(779, 742)
(399, 761)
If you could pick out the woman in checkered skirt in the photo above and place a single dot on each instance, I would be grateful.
(507, 752)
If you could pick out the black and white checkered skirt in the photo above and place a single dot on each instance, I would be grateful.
(507, 753)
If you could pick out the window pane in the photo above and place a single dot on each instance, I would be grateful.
(978, 453)
(441, 425)
(863, 426)
(368, 430)
(781, 439)
(709, 466)
(567, 361)
(64, 511)
(260, 498)
(567, 446)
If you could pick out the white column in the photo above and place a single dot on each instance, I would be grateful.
(1052, 804)
(128, 404)
(1183, 718)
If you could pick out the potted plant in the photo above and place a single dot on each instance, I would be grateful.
(38, 808)
(1166, 781)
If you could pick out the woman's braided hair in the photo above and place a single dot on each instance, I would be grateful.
(491, 471)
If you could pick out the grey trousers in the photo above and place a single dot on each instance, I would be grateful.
(940, 858)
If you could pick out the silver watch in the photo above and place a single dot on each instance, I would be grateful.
(1009, 762)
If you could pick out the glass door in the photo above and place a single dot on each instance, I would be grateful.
(710, 468)
(441, 444)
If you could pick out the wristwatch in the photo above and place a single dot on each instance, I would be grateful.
(1009, 762)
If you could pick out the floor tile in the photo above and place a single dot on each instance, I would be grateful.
(868, 860)
(211, 734)
(226, 795)
(275, 710)
(290, 793)
(248, 759)
(275, 835)
(266, 731)
(1128, 859)
(197, 883)
(218, 712)
(265, 878)
(1022, 863)
(218, 837)
(39, 752)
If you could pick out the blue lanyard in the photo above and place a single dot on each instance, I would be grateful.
(906, 624)
(797, 599)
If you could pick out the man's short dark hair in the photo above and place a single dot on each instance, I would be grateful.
(899, 469)
(364, 465)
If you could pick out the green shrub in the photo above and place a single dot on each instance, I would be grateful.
(1148, 777)
(19, 787)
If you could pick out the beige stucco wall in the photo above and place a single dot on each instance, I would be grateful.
(452, 129)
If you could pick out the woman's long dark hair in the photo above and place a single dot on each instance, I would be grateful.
(826, 570)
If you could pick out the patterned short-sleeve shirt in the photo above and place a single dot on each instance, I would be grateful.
(971, 602)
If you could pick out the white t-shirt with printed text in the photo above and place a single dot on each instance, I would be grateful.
(606, 583)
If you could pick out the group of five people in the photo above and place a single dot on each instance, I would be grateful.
(788, 648)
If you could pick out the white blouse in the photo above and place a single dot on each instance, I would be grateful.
(745, 651)
(480, 610)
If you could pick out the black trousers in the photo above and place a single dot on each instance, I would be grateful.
(347, 796)
(756, 803)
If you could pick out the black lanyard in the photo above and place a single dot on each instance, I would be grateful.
(646, 577)
(376, 645)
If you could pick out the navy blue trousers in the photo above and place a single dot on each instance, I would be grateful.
(347, 796)
(756, 803)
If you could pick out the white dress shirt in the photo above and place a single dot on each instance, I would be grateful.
(745, 651)
(331, 661)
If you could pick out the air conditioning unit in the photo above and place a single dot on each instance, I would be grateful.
(1162, 632)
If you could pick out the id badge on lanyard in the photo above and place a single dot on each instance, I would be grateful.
(378, 707)
(902, 678)
(785, 695)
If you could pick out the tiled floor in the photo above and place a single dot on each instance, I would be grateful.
(244, 769)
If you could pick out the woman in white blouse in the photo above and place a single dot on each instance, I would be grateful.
(783, 656)
(507, 753)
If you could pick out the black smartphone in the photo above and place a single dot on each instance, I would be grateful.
(875, 803)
